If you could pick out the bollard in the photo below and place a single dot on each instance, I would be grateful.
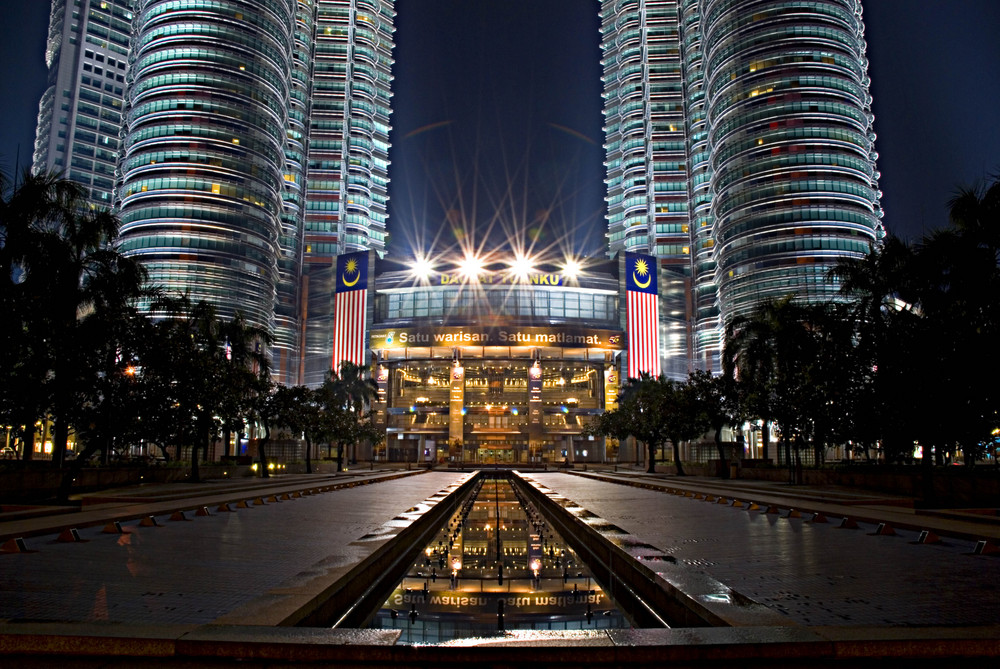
(14, 546)
(113, 528)
(986, 547)
(884, 530)
(928, 537)
(70, 535)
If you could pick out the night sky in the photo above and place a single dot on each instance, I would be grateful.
(497, 124)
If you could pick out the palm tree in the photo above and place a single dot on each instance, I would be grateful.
(768, 355)
(245, 383)
(345, 396)
(110, 336)
(54, 249)
(749, 360)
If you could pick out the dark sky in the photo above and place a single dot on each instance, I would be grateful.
(498, 126)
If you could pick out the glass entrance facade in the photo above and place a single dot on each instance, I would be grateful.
(495, 370)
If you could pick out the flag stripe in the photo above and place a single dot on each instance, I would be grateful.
(349, 327)
(642, 320)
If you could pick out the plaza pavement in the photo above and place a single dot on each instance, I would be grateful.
(210, 568)
(817, 574)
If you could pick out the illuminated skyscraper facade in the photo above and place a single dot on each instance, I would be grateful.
(204, 154)
(251, 142)
(739, 151)
(80, 113)
(347, 175)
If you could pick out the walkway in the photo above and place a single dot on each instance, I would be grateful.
(204, 569)
(815, 573)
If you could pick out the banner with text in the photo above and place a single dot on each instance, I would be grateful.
(497, 336)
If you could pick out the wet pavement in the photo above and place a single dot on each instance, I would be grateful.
(814, 573)
(199, 570)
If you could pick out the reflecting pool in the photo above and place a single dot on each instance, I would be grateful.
(495, 566)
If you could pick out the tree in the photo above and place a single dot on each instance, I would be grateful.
(110, 335)
(771, 356)
(202, 370)
(56, 257)
(613, 423)
(884, 326)
(245, 388)
(749, 362)
(345, 396)
(716, 398)
(655, 411)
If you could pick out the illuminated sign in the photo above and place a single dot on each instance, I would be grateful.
(533, 279)
(497, 336)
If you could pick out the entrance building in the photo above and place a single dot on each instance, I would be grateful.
(489, 367)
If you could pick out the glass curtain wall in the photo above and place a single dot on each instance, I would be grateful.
(204, 153)
(794, 182)
(80, 113)
(286, 351)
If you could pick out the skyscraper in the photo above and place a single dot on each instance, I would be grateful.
(79, 115)
(348, 157)
(253, 148)
(204, 153)
(739, 151)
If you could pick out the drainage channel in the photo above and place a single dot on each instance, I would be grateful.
(497, 565)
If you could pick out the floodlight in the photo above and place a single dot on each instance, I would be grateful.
(471, 266)
(571, 268)
(422, 268)
(521, 267)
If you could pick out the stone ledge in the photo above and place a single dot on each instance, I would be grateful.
(65, 644)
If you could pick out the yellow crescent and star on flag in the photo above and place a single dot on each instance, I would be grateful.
(641, 273)
(352, 271)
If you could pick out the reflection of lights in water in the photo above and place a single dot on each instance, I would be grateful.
(524, 570)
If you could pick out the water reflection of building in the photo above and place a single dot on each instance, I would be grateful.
(497, 367)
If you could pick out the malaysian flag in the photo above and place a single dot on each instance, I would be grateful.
(642, 315)
(350, 305)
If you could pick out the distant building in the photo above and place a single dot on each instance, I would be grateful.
(740, 152)
(347, 174)
(80, 113)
